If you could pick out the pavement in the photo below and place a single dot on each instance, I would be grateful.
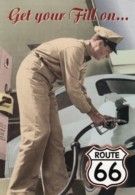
(4, 182)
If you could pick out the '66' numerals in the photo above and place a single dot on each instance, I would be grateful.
(101, 175)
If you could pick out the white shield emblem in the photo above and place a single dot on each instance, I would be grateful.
(107, 166)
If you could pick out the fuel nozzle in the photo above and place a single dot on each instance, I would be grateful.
(109, 125)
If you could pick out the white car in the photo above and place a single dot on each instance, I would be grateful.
(112, 95)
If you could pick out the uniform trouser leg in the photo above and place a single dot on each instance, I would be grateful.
(53, 167)
(35, 110)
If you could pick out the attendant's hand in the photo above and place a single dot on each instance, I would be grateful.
(102, 120)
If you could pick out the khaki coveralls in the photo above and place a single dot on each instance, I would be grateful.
(41, 133)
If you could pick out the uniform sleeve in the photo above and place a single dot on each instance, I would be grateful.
(71, 61)
(83, 75)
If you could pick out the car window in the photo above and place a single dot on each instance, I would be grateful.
(119, 86)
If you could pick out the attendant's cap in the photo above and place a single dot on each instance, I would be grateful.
(109, 37)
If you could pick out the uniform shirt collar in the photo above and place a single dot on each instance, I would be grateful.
(87, 50)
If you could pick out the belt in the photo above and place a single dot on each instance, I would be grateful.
(40, 58)
(45, 64)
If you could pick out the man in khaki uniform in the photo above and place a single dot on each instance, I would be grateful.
(41, 134)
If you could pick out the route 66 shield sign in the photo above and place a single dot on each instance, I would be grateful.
(106, 166)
